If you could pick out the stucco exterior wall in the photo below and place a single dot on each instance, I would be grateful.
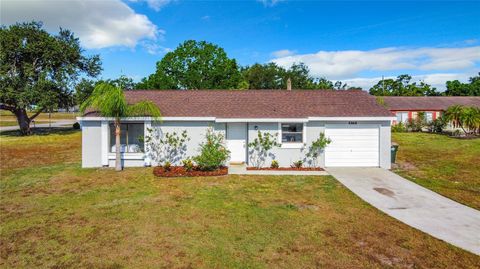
(91, 144)
(385, 145)
(196, 131)
(286, 156)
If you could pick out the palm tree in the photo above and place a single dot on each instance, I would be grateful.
(471, 118)
(454, 114)
(109, 101)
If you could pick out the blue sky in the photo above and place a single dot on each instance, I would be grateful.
(352, 41)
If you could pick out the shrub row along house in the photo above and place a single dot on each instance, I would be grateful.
(358, 127)
(406, 108)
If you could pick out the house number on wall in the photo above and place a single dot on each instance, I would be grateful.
(352, 122)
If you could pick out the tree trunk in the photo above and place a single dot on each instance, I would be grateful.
(118, 161)
(23, 121)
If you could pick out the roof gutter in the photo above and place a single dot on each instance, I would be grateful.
(223, 120)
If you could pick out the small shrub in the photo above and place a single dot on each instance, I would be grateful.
(297, 164)
(399, 128)
(274, 164)
(417, 124)
(167, 165)
(76, 126)
(213, 153)
(188, 164)
(317, 146)
(261, 146)
(436, 125)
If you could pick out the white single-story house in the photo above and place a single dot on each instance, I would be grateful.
(358, 127)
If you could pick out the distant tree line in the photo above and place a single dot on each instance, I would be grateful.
(402, 86)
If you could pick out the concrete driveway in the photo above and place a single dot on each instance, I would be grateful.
(414, 205)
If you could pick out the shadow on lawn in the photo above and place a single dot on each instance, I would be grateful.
(42, 131)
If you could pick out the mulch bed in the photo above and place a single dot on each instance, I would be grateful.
(287, 168)
(179, 171)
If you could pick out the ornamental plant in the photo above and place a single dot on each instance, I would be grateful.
(213, 153)
(167, 147)
(274, 164)
(297, 164)
(260, 148)
(188, 164)
(109, 101)
(466, 118)
(417, 124)
(316, 147)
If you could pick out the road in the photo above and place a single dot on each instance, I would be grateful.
(56, 123)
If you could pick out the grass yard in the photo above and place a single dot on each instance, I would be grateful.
(445, 165)
(55, 214)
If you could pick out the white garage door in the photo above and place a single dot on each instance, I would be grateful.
(352, 145)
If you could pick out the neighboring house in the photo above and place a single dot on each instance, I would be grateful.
(358, 127)
(407, 107)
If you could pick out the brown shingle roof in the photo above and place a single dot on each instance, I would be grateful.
(429, 103)
(261, 103)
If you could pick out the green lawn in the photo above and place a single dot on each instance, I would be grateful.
(445, 165)
(55, 214)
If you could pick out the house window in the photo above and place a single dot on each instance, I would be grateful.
(131, 137)
(402, 117)
(292, 132)
(428, 116)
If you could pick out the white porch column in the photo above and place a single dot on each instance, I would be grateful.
(104, 142)
(147, 126)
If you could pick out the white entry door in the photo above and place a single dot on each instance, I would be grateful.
(352, 145)
(237, 141)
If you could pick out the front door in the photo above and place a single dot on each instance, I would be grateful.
(237, 142)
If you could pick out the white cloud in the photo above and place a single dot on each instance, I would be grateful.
(158, 4)
(154, 4)
(350, 63)
(270, 3)
(98, 24)
(154, 48)
(436, 80)
(283, 53)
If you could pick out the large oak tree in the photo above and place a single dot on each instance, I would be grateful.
(38, 70)
(194, 65)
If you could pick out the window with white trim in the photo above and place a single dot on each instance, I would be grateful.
(402, 117)
(131, 137)
(428, 116)
(291, 132)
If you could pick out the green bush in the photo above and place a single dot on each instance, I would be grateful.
(213, 153)
(297, 164)
(76, 126)
(436, 125)
(317, 146)
(167, 165)
(274, 164)
(399, 128)
(260, 148)
(188, 164)
(417, 124)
